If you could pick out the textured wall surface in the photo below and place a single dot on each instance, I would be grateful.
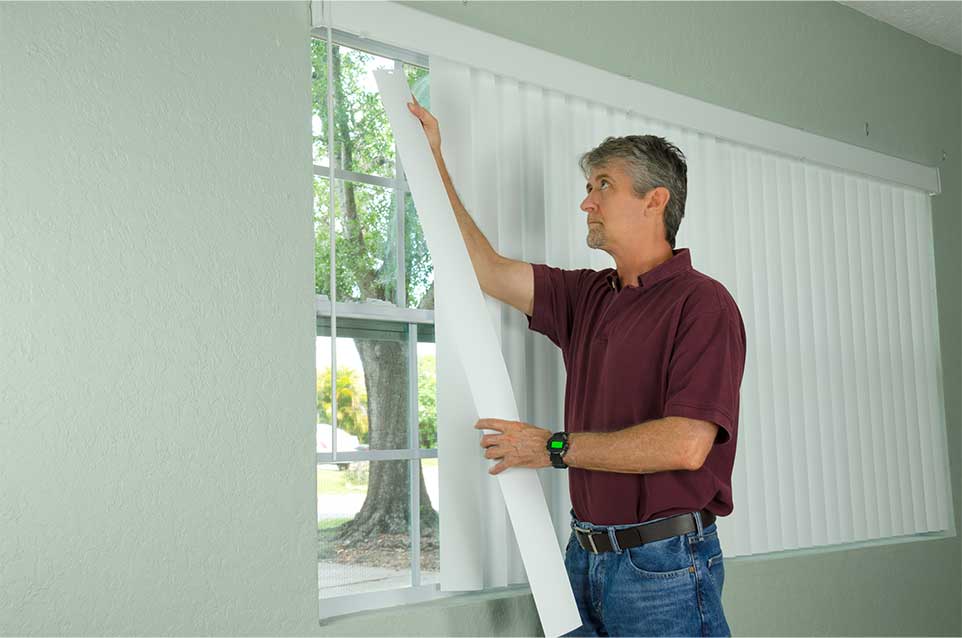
(156, 261)
(156, 405)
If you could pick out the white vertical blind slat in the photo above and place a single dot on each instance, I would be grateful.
(869, 362)
(923, 414)
(888, 494)
(461, 497)
(936, 417)
(824, 318)
(896, 414)
(811, 395)
(774, 434)
(757, 375)
(749, 492)
(800, 519)
(843, 386)
(904, 280)
(862, 498)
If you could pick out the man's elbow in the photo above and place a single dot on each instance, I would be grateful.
(692, 461)
(694, 456)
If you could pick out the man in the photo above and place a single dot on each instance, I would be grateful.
(654, 352)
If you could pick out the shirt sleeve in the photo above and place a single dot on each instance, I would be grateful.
(705, 371)
(556, 293)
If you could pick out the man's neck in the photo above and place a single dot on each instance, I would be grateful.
(631, 266)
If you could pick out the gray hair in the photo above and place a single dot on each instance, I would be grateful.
(651, 161)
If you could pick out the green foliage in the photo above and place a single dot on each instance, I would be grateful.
(365, 215)
(351, 402)
(427, 406)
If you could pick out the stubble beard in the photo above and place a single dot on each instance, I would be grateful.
(596, 236)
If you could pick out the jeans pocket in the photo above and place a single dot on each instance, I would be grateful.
(716, 571)
(665, 558)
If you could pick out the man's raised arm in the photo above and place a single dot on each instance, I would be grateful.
(507, 280)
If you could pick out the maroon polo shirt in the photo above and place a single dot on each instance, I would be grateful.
(672, 346)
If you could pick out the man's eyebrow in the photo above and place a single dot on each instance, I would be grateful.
(597, 177)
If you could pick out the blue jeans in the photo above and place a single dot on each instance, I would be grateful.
(670, 587)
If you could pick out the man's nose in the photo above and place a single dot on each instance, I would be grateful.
(587, 205)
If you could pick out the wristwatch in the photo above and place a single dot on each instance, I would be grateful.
(557, 447)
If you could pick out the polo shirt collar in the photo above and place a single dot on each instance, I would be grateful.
(679, 262)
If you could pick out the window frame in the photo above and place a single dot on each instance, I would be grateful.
(412, 322)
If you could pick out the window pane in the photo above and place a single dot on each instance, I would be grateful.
(372, 395)
(366, 235)
(322, 242)
(427, 396)
(418, 267)
(418, 80)
(322, 356)
(363, 139)
(319, 100)
(363, 528)
(430, 539)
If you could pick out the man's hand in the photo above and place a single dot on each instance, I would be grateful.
(428, 122)
(518, 444)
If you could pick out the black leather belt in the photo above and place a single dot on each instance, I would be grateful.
(598, 541)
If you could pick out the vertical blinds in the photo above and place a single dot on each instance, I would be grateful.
(842, 427)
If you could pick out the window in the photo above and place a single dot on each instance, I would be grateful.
(376, 439)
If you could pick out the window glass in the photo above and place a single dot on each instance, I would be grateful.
(319, 101)
(366, 234)
(427, 396)
(322, 243)
(418, 267)
(363, 139)
(430, 527)
(364, 514)
(359, 547)
(371, 386)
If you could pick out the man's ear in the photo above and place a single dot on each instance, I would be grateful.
(657, 201)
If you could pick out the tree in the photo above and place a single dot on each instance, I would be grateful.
(365, 269)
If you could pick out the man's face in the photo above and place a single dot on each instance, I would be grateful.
(613, 210)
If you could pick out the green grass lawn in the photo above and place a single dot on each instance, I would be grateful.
(331, 481)
(331, 523)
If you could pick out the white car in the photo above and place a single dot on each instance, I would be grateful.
(346, 442)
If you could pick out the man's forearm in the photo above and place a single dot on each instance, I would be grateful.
(653, 446)
(479, 248)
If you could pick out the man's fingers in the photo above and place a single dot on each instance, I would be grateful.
(490, 424)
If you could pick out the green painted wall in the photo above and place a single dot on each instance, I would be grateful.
(156, 406)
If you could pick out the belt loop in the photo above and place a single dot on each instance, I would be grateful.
(698, 526)
(614, 541)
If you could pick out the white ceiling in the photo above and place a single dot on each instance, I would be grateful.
(939, 23)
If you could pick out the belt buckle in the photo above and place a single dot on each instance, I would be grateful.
(591, 539)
